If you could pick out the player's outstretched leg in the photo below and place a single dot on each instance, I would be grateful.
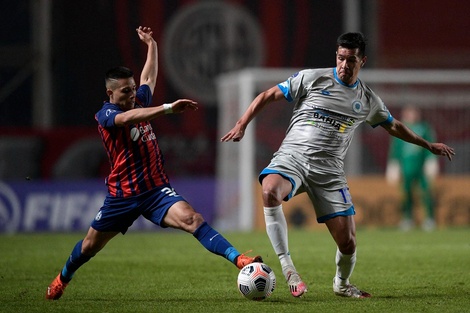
(213, 241)
(242, 260)
(73, 263)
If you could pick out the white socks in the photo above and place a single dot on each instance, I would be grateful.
(276, 228)
(344, 267)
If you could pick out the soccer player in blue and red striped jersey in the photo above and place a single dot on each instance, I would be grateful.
(138, 184)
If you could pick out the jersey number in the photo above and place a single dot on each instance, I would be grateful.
(169, 191)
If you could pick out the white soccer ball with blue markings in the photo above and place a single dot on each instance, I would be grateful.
(256, 281)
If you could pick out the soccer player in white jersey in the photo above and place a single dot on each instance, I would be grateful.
(328, 105)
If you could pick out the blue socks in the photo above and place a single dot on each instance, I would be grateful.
(75, 260)
(213, 241)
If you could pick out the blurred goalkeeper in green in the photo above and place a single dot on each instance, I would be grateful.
(417, 168)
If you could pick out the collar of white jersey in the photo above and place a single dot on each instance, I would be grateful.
(341, 82)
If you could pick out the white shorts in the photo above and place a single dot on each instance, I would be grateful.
(328, 192)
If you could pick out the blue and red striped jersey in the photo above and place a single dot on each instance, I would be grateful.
(134, 155)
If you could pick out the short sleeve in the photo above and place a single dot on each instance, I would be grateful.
(105, 116)
(144, 95)
(293, 88)
(379, 113)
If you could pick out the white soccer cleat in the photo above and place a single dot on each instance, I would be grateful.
(349, 290)
(296, 286)
(429, 224)
(406, 225)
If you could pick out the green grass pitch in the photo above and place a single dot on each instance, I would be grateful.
(168, 271)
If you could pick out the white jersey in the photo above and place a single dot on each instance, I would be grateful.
(326, 113)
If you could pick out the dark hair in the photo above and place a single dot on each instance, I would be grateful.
(352, 41)
(118, 72)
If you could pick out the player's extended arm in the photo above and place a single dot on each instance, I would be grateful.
(264, 98)
(146, 114)
(150, 70)
(400, 130)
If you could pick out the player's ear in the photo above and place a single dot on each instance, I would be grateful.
(364, 60)
(109, 92)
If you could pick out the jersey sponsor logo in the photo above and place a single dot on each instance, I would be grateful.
(143, 131)
(147, 133)
(339, 122)
(135, 134)
(327, 131)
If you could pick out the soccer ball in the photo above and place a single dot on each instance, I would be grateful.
(256, 281)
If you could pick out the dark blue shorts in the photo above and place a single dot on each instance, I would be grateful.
(118, 214)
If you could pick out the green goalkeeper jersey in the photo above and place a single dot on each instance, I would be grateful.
(412, 157)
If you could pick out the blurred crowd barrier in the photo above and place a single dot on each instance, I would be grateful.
(74, 153)
(71, 205)
(67, 153)
(377, 204)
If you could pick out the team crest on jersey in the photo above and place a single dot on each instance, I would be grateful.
(109, 112)
(357, 106)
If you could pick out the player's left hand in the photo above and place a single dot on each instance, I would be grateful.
(179, 106)
(145, 33)
(443, 150)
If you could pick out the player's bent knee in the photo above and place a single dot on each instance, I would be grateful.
(271, 197)
(191, 221)
(347, 246)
